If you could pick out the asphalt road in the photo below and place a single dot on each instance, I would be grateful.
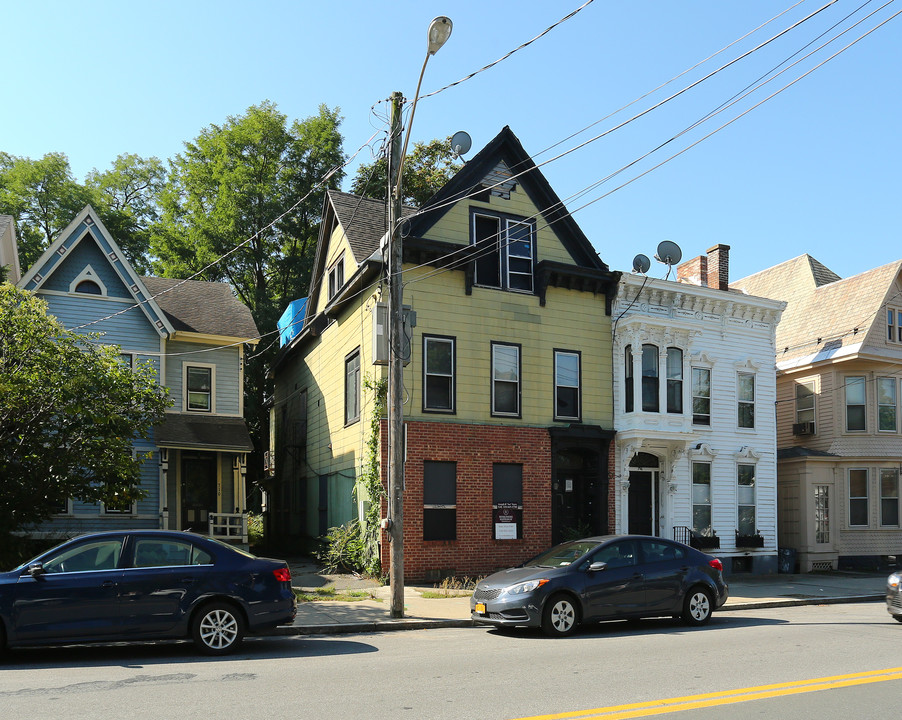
(828, 661)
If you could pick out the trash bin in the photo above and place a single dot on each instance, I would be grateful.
(787, 560)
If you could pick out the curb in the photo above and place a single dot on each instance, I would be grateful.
(421, 624)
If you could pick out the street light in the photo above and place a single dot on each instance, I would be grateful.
(439, 32)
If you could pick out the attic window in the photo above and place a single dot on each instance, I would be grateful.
(88, 287)
(336, 276)
(505, 251)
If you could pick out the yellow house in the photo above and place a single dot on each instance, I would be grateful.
(507, 378)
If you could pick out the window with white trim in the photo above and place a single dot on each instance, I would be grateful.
(505, 379)
(352, 387)
(674, 380)
(438, 373)
(628, 387)
(805, 402)
(566, 385)
(822, 514)
(336, 276)
(889, 497)
(651, 397)
(199, 387)
(856, 403)
(894, 325)
(746, 400)
(746, 504)
(701, 499)
(701, 396)
(858, 497)
(886, 404)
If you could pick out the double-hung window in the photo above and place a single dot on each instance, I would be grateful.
(858, 497)
(505, 379)
(628, 389)
(746, 403)
(889, 497)
(886, 404)
(701, 396)
(805, 402)
(439, 500)
(438, 374)
(856, 403)
(199, 381)
(566, 385)
(894, 325)
(505, 252)
(352, 387)
(336, 276)
(746, 522)
(674, 380)
(650, 394)
(701, 498)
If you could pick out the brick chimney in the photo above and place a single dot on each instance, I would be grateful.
(694, 271)
(719, 267)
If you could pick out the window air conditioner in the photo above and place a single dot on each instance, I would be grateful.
(803, 428)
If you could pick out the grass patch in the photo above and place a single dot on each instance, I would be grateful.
(331, 594)
(452, 587)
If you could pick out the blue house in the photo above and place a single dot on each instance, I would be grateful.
(194, 333)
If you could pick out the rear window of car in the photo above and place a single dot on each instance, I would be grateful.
(157, 552)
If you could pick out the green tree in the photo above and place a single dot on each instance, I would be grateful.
(252, 183)
(127, 197)
(68, 413)
(426, 169)
(43, 197)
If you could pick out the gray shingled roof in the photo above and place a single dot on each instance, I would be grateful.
(203, 307)
(209, 432)
(824, 311)
(364, 221)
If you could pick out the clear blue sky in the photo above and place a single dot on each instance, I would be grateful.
(816, 169)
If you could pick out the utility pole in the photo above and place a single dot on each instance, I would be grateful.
(395, 366)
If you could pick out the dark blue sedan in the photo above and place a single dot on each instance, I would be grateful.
(603, 578)
(144, 585)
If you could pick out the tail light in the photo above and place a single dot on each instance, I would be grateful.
(716, 564)
(282, 574)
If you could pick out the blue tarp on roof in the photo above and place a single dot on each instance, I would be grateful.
(292, 321)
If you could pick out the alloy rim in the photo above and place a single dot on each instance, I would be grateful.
(562, 616)
(218, 629)
(699, 607)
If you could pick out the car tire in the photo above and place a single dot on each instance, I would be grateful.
(217, 629)
(897, 618)
(560, 616)
(697, 607)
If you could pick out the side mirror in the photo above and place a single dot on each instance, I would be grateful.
(36, 570)
(597, 566)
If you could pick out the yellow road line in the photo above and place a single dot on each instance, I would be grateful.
(725, 697)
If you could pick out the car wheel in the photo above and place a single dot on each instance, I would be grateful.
(560, 616)
(217, 628)
(897, 618)
(697, 607)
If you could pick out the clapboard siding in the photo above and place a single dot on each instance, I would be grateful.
(227, 363)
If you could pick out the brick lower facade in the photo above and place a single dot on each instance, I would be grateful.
(474, 449)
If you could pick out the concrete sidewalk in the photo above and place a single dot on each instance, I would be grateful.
(374, 613)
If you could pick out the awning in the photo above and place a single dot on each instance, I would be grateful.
(203, 432)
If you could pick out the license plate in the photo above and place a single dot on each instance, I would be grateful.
(480, 608)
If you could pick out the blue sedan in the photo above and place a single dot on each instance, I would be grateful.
(602, 578)
(144, 585)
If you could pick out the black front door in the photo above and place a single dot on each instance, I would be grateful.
(576, 502)
(198, 490)
(640, 503)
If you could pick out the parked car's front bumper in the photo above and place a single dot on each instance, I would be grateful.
(506, 611)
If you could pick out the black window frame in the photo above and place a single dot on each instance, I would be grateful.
(504, 413)
(452, 379)
(439, 516)
(507, 497)
(578, 401)
(502, 243)
(336, 276)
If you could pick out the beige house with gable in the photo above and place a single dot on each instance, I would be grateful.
(839, 435)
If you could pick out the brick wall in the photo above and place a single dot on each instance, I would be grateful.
(474, 448)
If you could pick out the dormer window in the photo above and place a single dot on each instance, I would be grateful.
(336, 276)
(505, 254)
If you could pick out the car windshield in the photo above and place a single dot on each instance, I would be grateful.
(562, 555)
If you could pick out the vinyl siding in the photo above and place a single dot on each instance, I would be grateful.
(227, 361)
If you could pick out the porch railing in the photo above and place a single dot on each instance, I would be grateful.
(230, 527)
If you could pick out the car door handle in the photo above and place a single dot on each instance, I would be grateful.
(108, 584)
(187, 580)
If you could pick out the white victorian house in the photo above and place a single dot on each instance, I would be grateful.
(694, 393)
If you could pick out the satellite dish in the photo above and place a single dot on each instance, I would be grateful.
(641, 263)
(461, 143)
(669, 253)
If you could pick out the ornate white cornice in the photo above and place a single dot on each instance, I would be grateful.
(748, 453)
(701, 448)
